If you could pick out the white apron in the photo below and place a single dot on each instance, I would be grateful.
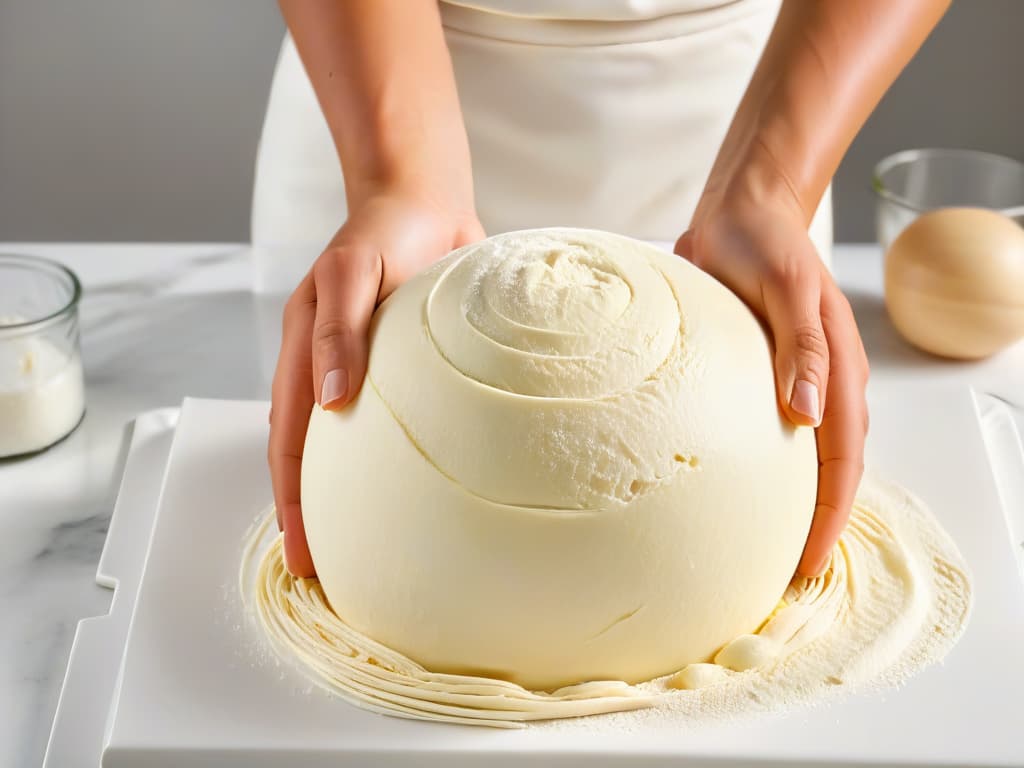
(592, 113)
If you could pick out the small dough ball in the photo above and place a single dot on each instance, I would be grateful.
(694, 676)
(954, 282)
(747, 652)
(567, 464)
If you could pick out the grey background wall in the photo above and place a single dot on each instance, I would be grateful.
(138, 119)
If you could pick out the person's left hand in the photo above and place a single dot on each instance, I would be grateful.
(757, 245)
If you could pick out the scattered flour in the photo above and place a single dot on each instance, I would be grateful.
(894, 599)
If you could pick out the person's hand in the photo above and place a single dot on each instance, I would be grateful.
(323, 358)
(760, 249)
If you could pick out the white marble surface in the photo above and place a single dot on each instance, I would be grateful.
(163, 321)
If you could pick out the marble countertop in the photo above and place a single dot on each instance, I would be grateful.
(160, 322)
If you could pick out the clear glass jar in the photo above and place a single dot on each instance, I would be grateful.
(42, 391)
(914, 181)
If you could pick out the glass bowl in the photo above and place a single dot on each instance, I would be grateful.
(914, 181)
(42, 393)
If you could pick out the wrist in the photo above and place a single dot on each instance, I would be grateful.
(754, 176)
(444, 187)
(428, 159)
(425, 197)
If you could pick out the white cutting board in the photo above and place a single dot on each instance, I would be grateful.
(193, 692)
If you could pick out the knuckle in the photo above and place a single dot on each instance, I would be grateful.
(347, 260)
(827, 508)
(293, 308)
(851, 464)
(811, 350)
(777, 274)
(843, 303)
(326, 264)
(836, 303)
(810, 339)
(329, 333)
(785, 274)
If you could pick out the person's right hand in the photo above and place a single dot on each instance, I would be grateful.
(387, 240)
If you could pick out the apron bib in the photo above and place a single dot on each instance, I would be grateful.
(603, 114)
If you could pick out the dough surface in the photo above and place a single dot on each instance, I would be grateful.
(567, 464)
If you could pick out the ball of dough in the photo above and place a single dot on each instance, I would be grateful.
(747, 652)
(954, 282)
(695, 676)
(567, 464)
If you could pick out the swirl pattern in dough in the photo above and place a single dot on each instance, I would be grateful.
(567, 464)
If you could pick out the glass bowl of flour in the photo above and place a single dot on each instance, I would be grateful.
(42, 396)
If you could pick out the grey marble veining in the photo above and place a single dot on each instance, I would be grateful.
(160, 322)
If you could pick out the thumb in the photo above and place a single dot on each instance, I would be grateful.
(347, 284)
(793, 310)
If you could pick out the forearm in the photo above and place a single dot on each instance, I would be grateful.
(383, 76)
(824, 69)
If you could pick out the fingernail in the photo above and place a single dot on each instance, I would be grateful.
(805, 399)
(335, 384)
